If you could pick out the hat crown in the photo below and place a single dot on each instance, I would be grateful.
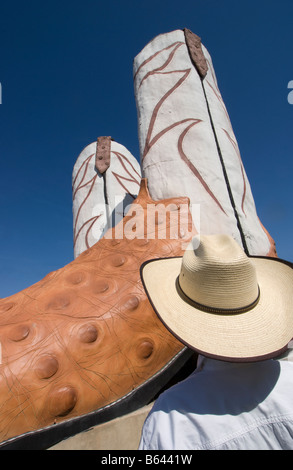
(218, 274)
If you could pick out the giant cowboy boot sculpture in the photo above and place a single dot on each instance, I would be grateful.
(187, 143)
(105, 180)
(83, 345)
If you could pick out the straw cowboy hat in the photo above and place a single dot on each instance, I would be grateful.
(222, 303)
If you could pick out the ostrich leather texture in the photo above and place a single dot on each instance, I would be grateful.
(86, 335)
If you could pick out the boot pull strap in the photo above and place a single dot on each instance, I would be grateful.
(193, 43)
(103, 154)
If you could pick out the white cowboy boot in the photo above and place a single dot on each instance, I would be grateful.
(187, 143)
(106, 179)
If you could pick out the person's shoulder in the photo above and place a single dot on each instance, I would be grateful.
(169, 397)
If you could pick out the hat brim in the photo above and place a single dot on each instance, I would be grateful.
(258, 334)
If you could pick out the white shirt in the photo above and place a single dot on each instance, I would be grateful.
(225, 406)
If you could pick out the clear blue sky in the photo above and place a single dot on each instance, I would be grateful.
(66, 75)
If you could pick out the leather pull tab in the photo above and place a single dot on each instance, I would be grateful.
(193, 43)
(103, 154)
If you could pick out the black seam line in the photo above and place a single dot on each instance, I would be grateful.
(226, 176)
(108, 214)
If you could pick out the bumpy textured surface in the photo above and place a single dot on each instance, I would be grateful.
(86, 334)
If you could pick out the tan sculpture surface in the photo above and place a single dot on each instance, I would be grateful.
(86, 334)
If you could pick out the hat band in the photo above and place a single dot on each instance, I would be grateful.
(220, 311)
